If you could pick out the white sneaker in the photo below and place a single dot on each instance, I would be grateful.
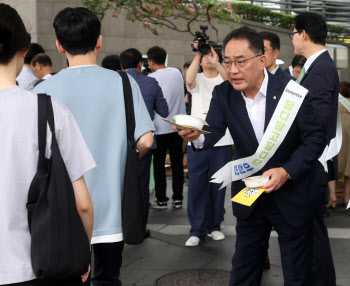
(216, 235)
(192, 241)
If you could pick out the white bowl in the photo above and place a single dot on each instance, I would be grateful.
(256, 181)
(190, 121)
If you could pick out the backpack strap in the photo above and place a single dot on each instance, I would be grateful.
(129, 108)
(42, 123)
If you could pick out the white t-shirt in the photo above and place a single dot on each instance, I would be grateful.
(18, 164)
(171, 82)
(201, 97)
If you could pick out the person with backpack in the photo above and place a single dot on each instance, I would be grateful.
(19, 153)
(95, 96)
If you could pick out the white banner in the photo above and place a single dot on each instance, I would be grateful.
(279, 125)
(334, 146)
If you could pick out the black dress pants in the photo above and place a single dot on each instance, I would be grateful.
(173, 143)
(252, 237)
(323, 272)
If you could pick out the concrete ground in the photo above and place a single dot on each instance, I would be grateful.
(165, 251)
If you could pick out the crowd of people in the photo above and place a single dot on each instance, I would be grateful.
(238, 93)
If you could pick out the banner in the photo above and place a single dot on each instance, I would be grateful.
(279, 125)
(334, 146)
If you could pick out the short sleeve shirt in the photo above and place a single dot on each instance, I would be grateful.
(95, 97)
(171, 82)
(19, 158)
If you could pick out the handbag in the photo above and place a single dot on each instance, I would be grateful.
(59, 244)
(132, 202)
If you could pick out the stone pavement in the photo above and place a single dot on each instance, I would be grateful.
(165, 252)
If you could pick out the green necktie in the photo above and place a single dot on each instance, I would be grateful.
(301, 75)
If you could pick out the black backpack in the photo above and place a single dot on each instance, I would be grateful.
(59, 244)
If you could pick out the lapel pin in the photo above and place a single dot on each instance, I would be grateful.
(274, 97)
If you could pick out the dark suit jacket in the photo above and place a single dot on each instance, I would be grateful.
(297, 154)
(322, 81)
(283, 75)
(152, 95)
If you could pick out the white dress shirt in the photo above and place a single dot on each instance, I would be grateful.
(275, 69)
(256, 111)
(311, 59)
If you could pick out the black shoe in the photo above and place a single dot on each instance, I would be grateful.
(158, 205)
(177, 204)
(325, 212)
(147, 233)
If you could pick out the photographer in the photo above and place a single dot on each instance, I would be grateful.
(205, 203)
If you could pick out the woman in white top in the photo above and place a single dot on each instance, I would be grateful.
(19, 156)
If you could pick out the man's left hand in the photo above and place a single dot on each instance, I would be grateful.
(278, 177)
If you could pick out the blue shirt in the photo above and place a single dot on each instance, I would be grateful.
(152, 95)
(95, 97)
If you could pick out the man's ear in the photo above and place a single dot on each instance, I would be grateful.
(60, 49)
(305, 35)
(98, 46)
(262, 61)
(139, 66)
(23, 53)
(276, 53)
(37, 66)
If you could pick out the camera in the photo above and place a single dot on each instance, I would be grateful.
(146, 70)
(202, 38)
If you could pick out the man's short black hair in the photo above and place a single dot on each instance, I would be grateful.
(42, 59)
(256, 42)
(34, 50)
(273, 38)
(77, 30)
(130, 58)
(298, 60)
(314, 25)
(112, 62)
(157, 54)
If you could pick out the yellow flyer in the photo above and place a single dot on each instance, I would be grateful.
(247, 196)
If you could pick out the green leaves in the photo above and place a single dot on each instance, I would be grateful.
(157, 14)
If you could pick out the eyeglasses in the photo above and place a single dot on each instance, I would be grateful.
(291, 35)
(238, 64)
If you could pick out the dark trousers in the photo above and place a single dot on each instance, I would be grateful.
(144, 169)
(323, 272)
(205, 207)
(252, 237)
(107, 264)
(173, 143)
(64, 282)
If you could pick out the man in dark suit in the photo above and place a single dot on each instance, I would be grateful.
(272, 45)
(319, 75)
(245, 104)
(131, 62)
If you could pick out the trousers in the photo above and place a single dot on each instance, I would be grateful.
(173, 143)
